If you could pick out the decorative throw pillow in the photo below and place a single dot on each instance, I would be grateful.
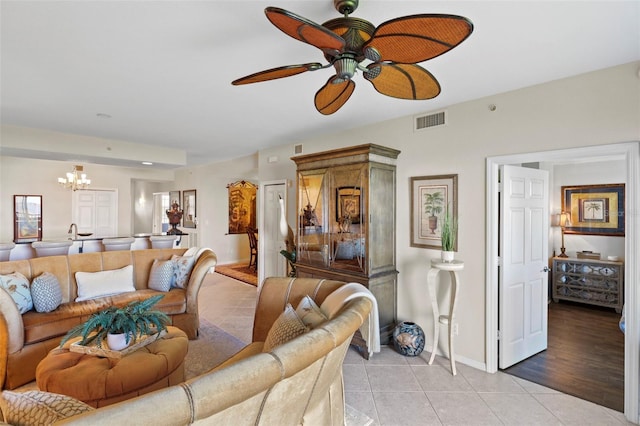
(309, 312)
(182, 266)
(36, 408)
(104, 283)
(17, 285)
(286, 327)
(46, 292)
(161, 275)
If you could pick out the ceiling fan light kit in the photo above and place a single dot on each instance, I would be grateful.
(386, 55)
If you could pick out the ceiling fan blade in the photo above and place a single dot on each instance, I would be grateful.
(305, 30)
(404, 81)
(416, 38)
(335, 93)
(274, 73)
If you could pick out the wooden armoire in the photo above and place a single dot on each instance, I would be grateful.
(346, 227)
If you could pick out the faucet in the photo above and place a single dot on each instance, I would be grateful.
(71, 229)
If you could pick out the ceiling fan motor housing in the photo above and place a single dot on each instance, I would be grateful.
(355, 32)
(345, 67)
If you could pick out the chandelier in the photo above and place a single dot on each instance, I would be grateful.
(75, 180)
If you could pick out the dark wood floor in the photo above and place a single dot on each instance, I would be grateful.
(584, 357)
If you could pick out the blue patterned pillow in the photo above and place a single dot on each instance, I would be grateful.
(46, 292)
(17, 285)
(161, 275)
(182, 266)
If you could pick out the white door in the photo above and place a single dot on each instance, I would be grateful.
(160, 206)
(271, 263)
(96, 212)
(523, 287)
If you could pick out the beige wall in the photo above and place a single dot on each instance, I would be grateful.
(210, 182)
(142, 194)
(592, 109)
(604, 172)
(39, 177)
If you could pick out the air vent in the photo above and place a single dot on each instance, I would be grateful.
(297, 149)
(425, 121)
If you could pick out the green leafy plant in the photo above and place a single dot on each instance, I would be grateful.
(448, 232)
(291, 258)
(134, 320)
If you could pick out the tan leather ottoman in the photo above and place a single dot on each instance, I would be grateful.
(100, 381)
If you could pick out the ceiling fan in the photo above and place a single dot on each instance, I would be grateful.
(387, 55)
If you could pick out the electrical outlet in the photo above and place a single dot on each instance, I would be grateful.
(455, 328)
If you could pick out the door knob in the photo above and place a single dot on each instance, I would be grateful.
(546, 269)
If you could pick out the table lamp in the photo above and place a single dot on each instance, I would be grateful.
(562, 220)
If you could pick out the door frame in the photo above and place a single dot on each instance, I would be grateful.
(630, 153)
(261, 223)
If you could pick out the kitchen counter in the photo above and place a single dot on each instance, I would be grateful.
(88, 244)
(143, 235)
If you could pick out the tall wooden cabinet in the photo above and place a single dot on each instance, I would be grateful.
(347, 220)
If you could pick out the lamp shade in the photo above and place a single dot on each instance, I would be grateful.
(561, 219)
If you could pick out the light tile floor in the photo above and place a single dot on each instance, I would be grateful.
(396, 390)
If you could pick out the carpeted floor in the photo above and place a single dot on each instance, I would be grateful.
(213, 346)
(239, 271)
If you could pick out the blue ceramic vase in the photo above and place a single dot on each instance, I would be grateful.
(408, 338)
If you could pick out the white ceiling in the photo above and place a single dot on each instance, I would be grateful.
(163, 69)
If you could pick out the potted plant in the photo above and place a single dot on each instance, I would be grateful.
(448, 235)
(131, 321)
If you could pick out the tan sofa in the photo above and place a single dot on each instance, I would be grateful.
(26, 339)
(298, 382)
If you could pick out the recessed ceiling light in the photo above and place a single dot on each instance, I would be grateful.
(102, 115)
(147, 163)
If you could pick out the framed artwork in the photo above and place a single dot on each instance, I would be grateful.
(431, 198)
(348, 203)
(189, 208)
(594, 209)
(27, 212)
(242, 206)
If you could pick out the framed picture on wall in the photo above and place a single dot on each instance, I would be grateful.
(242, 206)
(189, 208)
(348, 204)
(27, 212)
(594, 209)
(431, 198)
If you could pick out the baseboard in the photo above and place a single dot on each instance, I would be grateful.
(462, 360)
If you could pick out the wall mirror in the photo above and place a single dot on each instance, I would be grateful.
(189, 208)
(27, 213)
